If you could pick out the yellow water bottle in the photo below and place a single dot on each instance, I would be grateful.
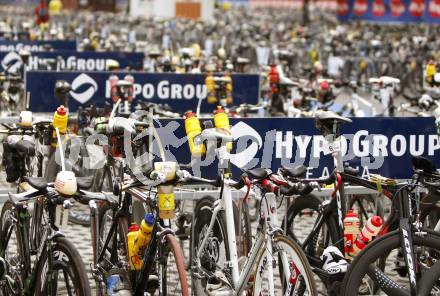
(193, 130)
(430, 71)
(221, 121)
(143, 235)
(165, 193)
(135, 259)
(210, 86)
(60, 119)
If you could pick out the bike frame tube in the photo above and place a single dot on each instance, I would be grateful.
(405, 231)
(230, 229)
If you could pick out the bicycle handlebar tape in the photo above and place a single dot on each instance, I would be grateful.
(193, 130)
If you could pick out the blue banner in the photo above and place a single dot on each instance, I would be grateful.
(72, 60)
(180, 91)
(373, 145)
(389, 10)
(38, 45)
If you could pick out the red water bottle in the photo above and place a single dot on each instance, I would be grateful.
(351, 231)
(370, 230)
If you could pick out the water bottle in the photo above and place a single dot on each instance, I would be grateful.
(60, 118)
(193, 130)
(221, 121)
(135, 259)
(116, 286)
(351, 231)
(370, 230)
(144, 234)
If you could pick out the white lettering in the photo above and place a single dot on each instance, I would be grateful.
(380, 143)
(287, 144)
(394, 150)
(148, 91)
(433, 144)
(413, 145)
(302, 143)
(188, 91)
(361, 148)
(163, 92)
(176, 91)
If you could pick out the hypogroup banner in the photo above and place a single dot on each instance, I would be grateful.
(390, 10)
(373, 145)
(37, 45)
(72, 60)
(180, 91)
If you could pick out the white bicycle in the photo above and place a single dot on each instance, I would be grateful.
(275, 263)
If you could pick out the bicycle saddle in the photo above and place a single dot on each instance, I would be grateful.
(213, 134)
(84, 182)
(36, 182)
(295, 172)
(259, 173)
(325, 116)
(25, 147)
(118, 125)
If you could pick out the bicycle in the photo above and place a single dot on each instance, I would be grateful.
(221, 229)
(419, 247)
(56, 257)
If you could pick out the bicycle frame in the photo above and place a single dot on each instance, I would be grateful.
(262, 243)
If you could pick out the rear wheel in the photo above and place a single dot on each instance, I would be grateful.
(67, 275)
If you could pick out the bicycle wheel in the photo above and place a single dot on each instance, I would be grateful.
(69, 276)
(12, 250)
(300, 219)
(172, 268)
(365, 277)
(294, 269)
(216, 251)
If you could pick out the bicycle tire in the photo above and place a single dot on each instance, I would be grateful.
(313, 203)
(201, 219)
(7, 227)
(74, 266)
(375, 251)
(172, 248)
(300, 261)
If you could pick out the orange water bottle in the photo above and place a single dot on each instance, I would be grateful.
(143, 235)
(351, 231)
(370, 230)
(193, 130)
(60, 119)
(221, 121)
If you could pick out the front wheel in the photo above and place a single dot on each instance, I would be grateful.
(288, 265)
(67, 276)
(173, 282)
(364, 276)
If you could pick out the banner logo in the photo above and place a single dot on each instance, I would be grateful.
(78, 83)
(12, 62)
